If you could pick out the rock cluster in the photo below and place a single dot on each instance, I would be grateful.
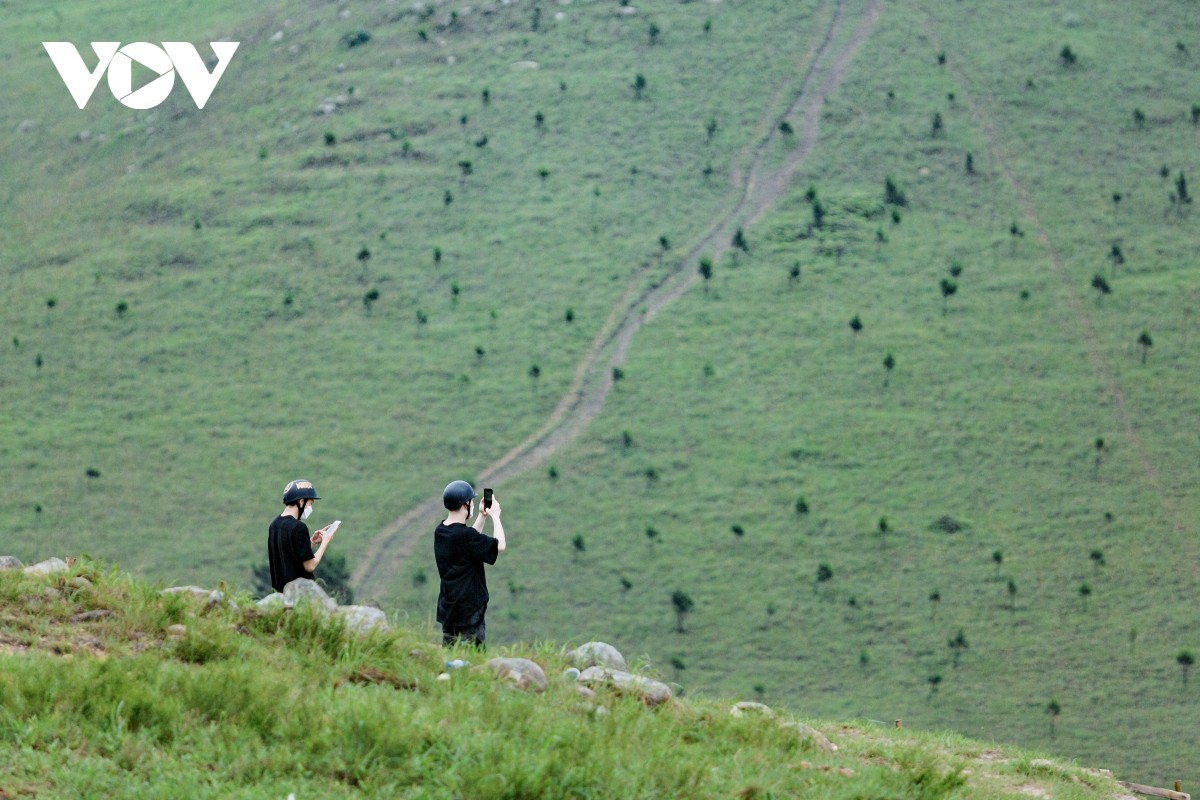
(47, 567)
(358, 619)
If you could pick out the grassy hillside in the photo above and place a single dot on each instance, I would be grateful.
(189, 324)
(236, 703)
(757, 393)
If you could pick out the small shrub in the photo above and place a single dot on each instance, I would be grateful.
(947, 524)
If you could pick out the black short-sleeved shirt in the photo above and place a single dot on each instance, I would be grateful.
(461, 551)
(288, 547)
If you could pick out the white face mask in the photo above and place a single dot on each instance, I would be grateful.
(307, 511)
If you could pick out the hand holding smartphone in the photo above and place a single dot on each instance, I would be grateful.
(487, 498)
(332, 528)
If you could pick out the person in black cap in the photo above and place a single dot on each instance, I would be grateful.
(289, 547)
(461, 550)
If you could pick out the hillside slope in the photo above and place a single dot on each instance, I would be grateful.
(110, 687)
(380, 261)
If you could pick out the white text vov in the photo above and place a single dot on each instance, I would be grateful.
(118, 61)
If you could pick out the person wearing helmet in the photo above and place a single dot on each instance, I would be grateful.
(461, 550)
(289, 547)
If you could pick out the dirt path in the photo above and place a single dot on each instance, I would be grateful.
(1078, 310)
(825, 68)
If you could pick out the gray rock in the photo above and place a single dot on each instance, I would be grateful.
(211, 597)
(91, 616)
(585, 691)
(817, 738)
(273, 602)
(47, 567)
(747, 708)
(363, 619)
(195, 591)
(302, 590)
(650, 692)
(80, 582)
(598, 654)
(176, 631)
(571, 674)
(10, 562)
(523, 673)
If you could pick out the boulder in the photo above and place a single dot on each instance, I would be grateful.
(650, 692)
(302, 590)
(47, 567)
(273, 602)
(10, 562)
(598, 654)
(199, 592)
(211, 597)
(363, 619)
(814, 736)
(523, 673)
(747, 708)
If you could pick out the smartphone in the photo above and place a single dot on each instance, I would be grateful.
(333, 526)
(487, 498)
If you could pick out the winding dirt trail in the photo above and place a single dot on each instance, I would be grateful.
(825, 66)
(1078, 310)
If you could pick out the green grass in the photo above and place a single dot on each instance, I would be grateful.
(246, 704)
(211, 390)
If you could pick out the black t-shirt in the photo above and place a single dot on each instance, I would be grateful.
(461, 551)
(288, 547)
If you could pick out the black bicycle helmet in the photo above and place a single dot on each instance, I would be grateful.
(299, 490)
(456, 494)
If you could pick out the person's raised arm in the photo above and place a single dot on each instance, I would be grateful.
(497, 526)
(325, 536)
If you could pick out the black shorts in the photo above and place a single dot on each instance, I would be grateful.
(466, 634)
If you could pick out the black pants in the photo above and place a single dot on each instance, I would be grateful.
(466, 634)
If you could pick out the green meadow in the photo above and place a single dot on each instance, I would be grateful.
(201, 305)
(110, 687)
